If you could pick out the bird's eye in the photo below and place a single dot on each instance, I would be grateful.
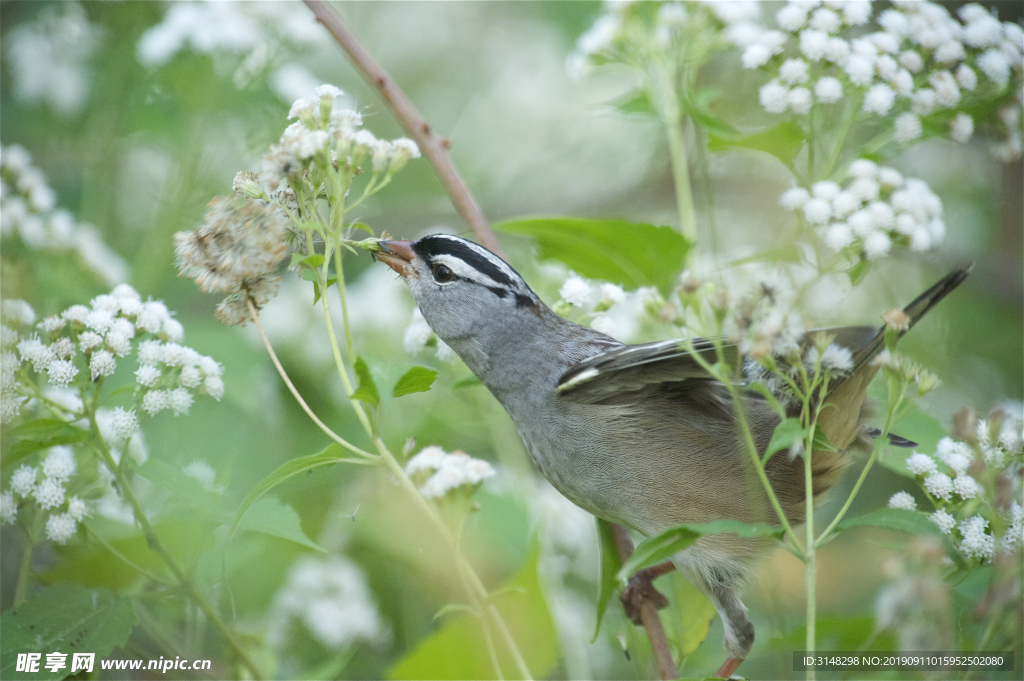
(443, 273)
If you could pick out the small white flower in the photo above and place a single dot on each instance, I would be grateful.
(825, 20)
(862, 223)
(794, 198)
(881, 214)
(864, 188)
(939, 485)
(774, 97)
(838, 236)
(457, 469)
(825, 189)
(18, 312)
(602, 323)
(879, 99)
(87, 340)
(99, 320)
(23, 482)
(214, 387)
(102, 364)
(799, 100)
(417, 333)
(877, 245)
(63, 348)
(190, 377)
(837, 50)
(172, 330)
(828, 90)
(995, 65)
(983, 434)
(862, 167)
(119, 343)
(886, 67)
(893, 21)
(949, 52)
(32, 350)
(203, 472)
(328, 91)
(962, 128)
(60, 527)
(52, 324)
(60, 463)
(303, 107)
(976, 542)
(958, 462)
(76, 314)
(890, 177)
(813, 44)
(180, 400)
(575, 291)
(817, 211)
(173, 355)
(791, 18)
(966, 77)
(773, 40)
(155, 401)
(147, 375)
(61, 373)
(444, 352)
(210, 367)
(429, 458)
(793, 71)
(856, 12)
(49, 493)
(967, 487)
(922, 101)
(123, 292)
(77, 508)
(859, 69)
(150, 352)
(945, 521)
(152, 317)
(124, 423)
(844, 203)
(903, 83)
(903, 500)
(947, 92)
(755, 56)
(983, 31)
(8, 508)
(612, 294)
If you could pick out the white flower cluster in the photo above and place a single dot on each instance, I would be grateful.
(923, 62)
(607, 307)
(49, 494)
(1003, 441)
(445, 472)
(418, 334)
(874, 211)
(953, 486)
(763, 317)
(622, 32)
(85, 343)
(49, 57)
(28, 210)
(331, 598)
(230, 28)
(333, 136)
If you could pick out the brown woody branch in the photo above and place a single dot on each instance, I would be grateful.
(432, 146)
(436, 151)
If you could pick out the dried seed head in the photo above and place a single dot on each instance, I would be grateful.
(896, 320)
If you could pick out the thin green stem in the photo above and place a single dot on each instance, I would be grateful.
(810, 146)
(667, 102)
(844, 132)
(344, 304)
(141, 570)
(155, 545)
(342, 371)
(295, 393)
(826, 535)
(25, 571)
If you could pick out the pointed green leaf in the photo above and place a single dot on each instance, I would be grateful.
(452, 608)
(363, 226)
(857, 272)
(660, 547)
(912, 522)
(822, 443)
(330, 455)
(59, 617)
(415, 380)
(186, 489)
(367, 389)
(626, 253)
(784, 141)
(785, 435)
(314, 260)
(271, 516)
(44, 429)
(610, 565)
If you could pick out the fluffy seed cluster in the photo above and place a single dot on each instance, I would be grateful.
(441, 472)
(921, 63)
(875, 210)
(763, 317)
(236, 250)
(29, 208)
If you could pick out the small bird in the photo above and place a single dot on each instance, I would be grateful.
(639, 435)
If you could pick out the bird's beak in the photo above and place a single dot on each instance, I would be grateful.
(398, 255)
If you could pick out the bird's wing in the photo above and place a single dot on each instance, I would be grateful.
(634, 367)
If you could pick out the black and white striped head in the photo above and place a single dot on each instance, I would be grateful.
(458, 285)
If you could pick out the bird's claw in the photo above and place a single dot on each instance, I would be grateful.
(641, 590)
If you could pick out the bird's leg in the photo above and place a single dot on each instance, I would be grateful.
(729, 666)
(641, 589)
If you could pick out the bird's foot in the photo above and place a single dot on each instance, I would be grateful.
(729, 666)
(641, 590)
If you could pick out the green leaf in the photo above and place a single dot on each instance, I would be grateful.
(857, 272)
(452, 608)
(46, 429)
(330, 455)
(635, 102)
(822, 443)
(784, 142)
(769, 397)
(660, 547)
(415, 380)
(19, 450)
(314, 260)
(270, 516)
(916, 425)
(59, 617)
(611, 563)
(785, 435)
(912, 522)
(627, 253)
(331, 281)
(367, 389)
(458, 649)
(689, 617)
(185, 488)
(363, 226)
(468, 382)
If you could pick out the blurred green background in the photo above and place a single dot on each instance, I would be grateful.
(140, 150)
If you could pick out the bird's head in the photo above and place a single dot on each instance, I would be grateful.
(460, 287)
